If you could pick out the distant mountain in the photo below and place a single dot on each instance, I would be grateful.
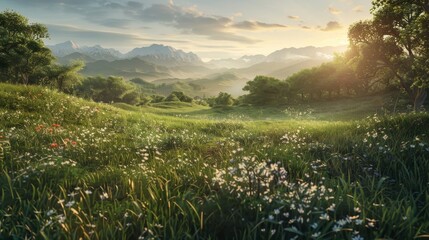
(323, 53)
(157, 54)
(164, 55)
(64, 49)
(127, 68)
(96, 52)
(75, 56)
(286, 55)
(245, 61)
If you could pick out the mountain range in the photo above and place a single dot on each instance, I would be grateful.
(158, 54)
(162, 64)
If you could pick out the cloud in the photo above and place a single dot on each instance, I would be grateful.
(358, 8)
(332, 26)
(254, 25)
(293, 17)
(192, 21)
(134, 5)
(87, 36)
(113, 22)
(334, 11)
(120, 14)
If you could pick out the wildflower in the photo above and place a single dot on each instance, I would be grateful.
(358, 237)
(39, 128)
(88, 192)
(61, 218)
(104, 196)
(70, 203)
(359, 221)
(314, 225)
(412, 146)
(50, 212)
(56, 125)
(276, 211)
(54, 145)
(342, 222)
(370, 224)
(337, 228)
(331, 208)
(324, 216)
(72, 194)
(315, 235)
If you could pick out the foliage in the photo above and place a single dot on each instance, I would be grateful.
(111, 89)
(396, 40)
(266, 91)
(22, 51)
(178, 96)
(222, 100)
(65, 77)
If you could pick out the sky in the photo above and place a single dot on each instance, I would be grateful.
(212, 29)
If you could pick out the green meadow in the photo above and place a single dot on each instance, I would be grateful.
(75, 169)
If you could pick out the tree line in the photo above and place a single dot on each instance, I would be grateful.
(390, 51)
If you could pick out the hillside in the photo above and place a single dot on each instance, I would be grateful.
(127, 68)
(75, 169)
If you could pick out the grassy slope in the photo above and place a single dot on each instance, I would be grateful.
(79, 169)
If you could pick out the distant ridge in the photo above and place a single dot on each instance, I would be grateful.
(156, 53)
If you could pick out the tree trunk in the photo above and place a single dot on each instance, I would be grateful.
(419, 98)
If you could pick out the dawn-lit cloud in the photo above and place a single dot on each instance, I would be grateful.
(293, 17)
(358, 8)
(334, 11)
(255, 25)
(332, 26)
(110, 38)
(193, 21)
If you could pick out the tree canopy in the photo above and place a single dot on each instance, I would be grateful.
(396, 39)
(22, 51)
(266, 91)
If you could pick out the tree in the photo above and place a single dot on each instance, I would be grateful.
(223, 100)
(22, 51)
(397, 40)
(178, 96)
(172, 98)
(111, 89)
(303, 83)
(266, 91)
(65, 77)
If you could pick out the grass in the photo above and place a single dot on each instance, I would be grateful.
(73, 169)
